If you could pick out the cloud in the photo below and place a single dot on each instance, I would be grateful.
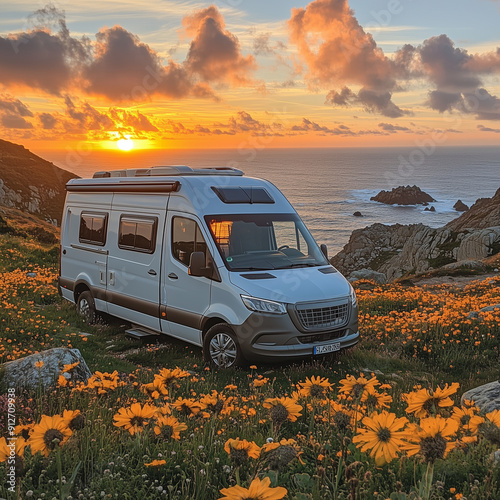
(14, 106)
(389, 127)
(215, 53)
(47, 120)
(337, 50)
(482, 128)
(15, 121)
(310, 126)
(118, 66)
(456, 75)
(87, 116)
(372, 101)
(126, 69)
(137, 122)
(42, 60)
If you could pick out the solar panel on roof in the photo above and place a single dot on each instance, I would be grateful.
(243, 194)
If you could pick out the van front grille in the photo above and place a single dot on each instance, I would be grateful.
(320, 318)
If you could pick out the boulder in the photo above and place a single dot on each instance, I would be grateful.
(357, 214)
(368, 274)
(460, 206)
(432, 209)
(403, 195)
(486, 397)
(24, 374)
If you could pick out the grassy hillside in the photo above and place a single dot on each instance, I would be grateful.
(30, 183)
(413, 339)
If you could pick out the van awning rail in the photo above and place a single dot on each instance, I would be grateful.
(90, 185)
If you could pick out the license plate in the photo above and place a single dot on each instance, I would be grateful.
(323, 349)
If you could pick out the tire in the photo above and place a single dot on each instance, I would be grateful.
(86, 307)
(221, 348)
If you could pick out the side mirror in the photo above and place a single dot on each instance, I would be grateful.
(197, 264)
(324, 249)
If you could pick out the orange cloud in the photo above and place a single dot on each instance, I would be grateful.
(215, 53)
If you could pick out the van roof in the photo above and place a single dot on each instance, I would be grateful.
(168, 170)
(208, 190)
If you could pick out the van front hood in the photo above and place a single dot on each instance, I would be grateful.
(305, 284)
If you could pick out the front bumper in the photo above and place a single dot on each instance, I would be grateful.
(264, 337)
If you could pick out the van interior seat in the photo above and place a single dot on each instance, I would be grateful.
(248, 237)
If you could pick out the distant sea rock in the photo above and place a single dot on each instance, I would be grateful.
(357, 214)
(414, 249)
(460, 206)
(403, 195)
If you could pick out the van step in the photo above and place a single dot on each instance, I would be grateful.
(142, 334)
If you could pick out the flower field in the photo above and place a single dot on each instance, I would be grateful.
(382, 421)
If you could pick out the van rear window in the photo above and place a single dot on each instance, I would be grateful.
(93, 228)
(243, 194)
(137, 234)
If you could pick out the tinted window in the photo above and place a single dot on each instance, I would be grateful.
(138, 234)
(93, 228)
(186, 239)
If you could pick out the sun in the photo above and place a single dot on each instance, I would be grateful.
(125, 144)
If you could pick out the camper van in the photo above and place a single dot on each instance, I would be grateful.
(208, 256)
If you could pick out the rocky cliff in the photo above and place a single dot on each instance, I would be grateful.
(30, 183)
(399, 250)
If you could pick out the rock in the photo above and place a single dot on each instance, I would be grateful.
(23, 372)
(475, 265)
(486, 397)
(368, 274)
(490, 308)
(403, 195)
(460, 206)
(427, 209)
(357, 214)
(484, 213)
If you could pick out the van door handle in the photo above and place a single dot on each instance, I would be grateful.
(173, 276)
(152, 272)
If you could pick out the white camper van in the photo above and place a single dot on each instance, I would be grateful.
(208, 256)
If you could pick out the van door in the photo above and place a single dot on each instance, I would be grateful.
(133, 289)
(184, 298)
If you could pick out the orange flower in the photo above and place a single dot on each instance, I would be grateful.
(39, 364)
(134, 418)
(424, 403)
(240, 450)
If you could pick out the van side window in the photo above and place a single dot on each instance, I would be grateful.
(186, 239)
(137, 233)
(93, 228)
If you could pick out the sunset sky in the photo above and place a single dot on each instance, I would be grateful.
(187, 74)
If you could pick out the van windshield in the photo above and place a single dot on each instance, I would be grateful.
(249, 242)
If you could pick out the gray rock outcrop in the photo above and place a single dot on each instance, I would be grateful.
(414, 249)
(24, 373)
(403, 195)
(368, 274)
(486, 397)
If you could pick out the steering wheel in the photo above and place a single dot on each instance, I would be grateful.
(282, 247)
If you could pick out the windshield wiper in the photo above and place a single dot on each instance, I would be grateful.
(299, 264)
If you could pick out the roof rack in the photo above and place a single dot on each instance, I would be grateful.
(168, 170)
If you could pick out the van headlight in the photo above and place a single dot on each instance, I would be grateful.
(263, 306)
(352, 296)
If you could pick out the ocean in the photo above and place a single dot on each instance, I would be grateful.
(327, 185)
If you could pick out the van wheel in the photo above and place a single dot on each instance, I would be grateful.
(221, 348)
(86, 307)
